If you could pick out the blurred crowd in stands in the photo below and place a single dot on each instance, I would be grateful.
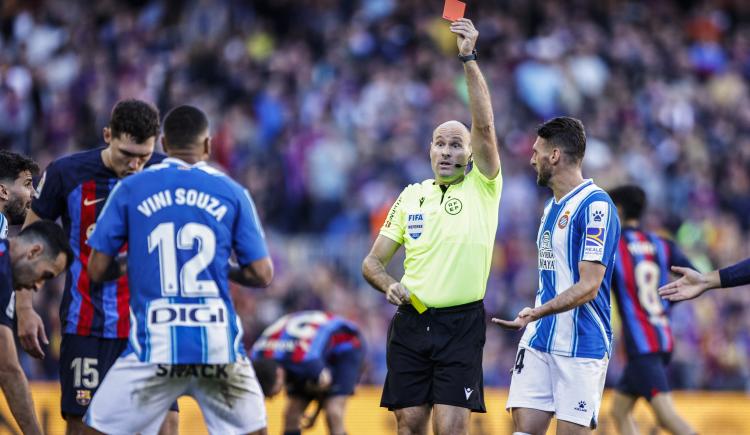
(324, 109)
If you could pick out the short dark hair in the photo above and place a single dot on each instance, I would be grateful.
(565, 133)
(136, 118)
(183, 125)
(630, 200)
(53, 237)
(265, 371)
(12, 164)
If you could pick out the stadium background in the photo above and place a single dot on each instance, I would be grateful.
(324, 110)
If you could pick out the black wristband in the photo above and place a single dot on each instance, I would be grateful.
(468, 57)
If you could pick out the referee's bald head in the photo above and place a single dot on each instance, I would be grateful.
(452, 128)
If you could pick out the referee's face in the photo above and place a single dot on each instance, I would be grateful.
(449, 152)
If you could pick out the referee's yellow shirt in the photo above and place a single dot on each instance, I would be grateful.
(448, 237)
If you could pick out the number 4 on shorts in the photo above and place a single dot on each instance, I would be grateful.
(519, 360)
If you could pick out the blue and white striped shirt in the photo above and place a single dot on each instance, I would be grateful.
(581, 226)
(3, 227)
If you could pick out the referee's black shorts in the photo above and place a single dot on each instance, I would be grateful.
(436, 357)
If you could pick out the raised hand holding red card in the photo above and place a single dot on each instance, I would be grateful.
(453, 10)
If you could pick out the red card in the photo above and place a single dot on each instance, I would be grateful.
(453, 10)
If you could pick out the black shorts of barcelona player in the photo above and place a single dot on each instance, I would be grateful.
(447, 226)
(40, 252)
(643, 264)
(94, 317)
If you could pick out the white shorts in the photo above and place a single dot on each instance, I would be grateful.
(135, 396)
(570, 387)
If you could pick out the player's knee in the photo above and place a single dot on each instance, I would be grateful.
(524, 423)
(411, 422)
(667, 418)
(452, 428)
(10, 371)
(335, 420)
(618, 413)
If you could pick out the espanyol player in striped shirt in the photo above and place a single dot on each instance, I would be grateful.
(642, 265)
(181, 221)
(562, 358)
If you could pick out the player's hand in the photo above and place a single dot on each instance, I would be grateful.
(397, 294)
(691, 285)
(467, 35)
(325, 379)
(524, 317)
(31, 332)
(321, 385)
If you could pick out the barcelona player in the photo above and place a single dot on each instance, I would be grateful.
(643, 264)
(320, 356)
(95, 317)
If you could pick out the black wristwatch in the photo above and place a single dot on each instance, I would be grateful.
(468, 57)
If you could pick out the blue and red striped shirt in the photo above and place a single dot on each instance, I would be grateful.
(642, 266)
(75, 188)
(304, 342)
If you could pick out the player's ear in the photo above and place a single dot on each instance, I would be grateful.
(35, 251)
(207, 146)
(107, 135)
(164, 145)
(555, 156)
(4, 193)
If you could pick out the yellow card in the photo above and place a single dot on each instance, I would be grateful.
(417, 304)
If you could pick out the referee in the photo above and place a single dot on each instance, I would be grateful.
(447, 226)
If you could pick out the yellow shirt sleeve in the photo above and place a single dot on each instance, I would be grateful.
(395, 223)
(491, 188)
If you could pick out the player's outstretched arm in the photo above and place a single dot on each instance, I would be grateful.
(691, 285)
(258, 273)
(483, 138)
(583, 291)
(15, 386)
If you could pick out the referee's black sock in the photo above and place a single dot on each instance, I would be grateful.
(293, 432)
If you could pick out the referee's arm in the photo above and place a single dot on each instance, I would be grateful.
(373, 270)
(483, 138)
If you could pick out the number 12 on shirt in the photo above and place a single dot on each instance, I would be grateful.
(163, 240)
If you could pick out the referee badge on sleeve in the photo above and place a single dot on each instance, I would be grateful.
(415, 225)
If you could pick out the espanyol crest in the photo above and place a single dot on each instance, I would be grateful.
(415, 225)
